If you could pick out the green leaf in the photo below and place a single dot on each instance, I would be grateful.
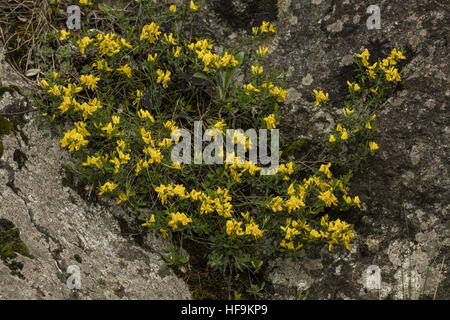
(203, 76)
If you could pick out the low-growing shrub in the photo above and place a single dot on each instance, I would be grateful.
(124, 93)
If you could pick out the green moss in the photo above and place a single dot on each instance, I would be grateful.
(6, 127)
(10, 242)
(10, 89)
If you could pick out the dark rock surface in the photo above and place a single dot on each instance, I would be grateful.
(404, 226)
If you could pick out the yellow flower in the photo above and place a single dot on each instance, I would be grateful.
(176, 51)
(115, 119)
(392, 74)
(262, 51)
(287, 168)
(145, 114)
(64, 34)
(219, 125)
(332, 138)
(353, 86)
(74, 140)
(252, 229)
(398, 54)
(168, 38)
(44, 83)
(107, 187)
(294, 203)
(108, 128)
(171, 125)
(88, 108)
(270, 121)
(234, 227)
(226, 60)
(151, 58)
(150, 32)
(126, 70)
(267, 27)
(109, 44)
(373, 146)
(139, 96)
(279, 93)
(328, 198)
(83, 43)
(90, 81)
(154, 154)
(147, 137)
(325, 168)
(86, 2)
(193, 6)
(357, 201)
(364, 56)
(55, 91)
(164, 232)
(173, 8)
(149, 221)
(122, 198)
(368, 125)
(320, 96)
(176, 165)
(257, 70)
(344, 135)
(348, 111)
(250, 87)
(101, 64)
(277, 204)
(178, 218)
(116, 162)
(163, 77)
(93, 161)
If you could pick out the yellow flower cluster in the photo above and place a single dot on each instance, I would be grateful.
(266, 27)
(234, 228)
(163, 77)
(271, 122)
(178, 218)
(110, 44)
(297, 194)
(333, 232)
(90, 81)
(126, 70)
(386, 65)
(239, 167)
(320, 96)
(107, 187)
(74, 139)
(203, 50)
(150, 32)
(277, 92)
(220, 202)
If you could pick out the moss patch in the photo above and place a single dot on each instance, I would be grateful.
(11, 89)
(10, 242)
(6, 127)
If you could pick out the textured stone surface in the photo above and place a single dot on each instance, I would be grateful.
(61, 229)
(404, 227)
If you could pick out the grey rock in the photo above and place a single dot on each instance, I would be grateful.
(60, 229)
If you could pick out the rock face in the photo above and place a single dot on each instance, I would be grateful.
(405, 227)
(403, 231)
(60, 229)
